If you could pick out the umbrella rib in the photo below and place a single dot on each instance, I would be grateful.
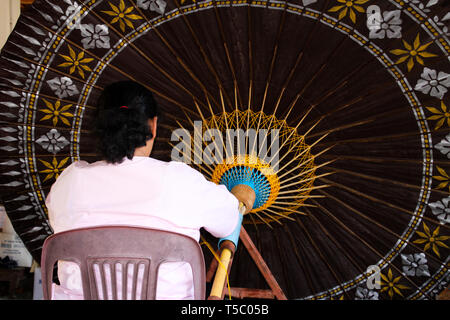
(386, 137)
(317, 249)
(285, 118)
(296, 142)
(322, 67)
(41, 126)
(176, 119)
(215, 120)
(70, 129)
(352, 102)
(268, 215)
(284, 186)
(202, 50)
(227, 52)
(196, 153)
(382, 159)
(343, 82)
(173, 51)
(47, 67)
(262, 219)
(202, 168)
(379, 89)
(285, 85)
(194, 149)
(304, 163)
(300, 55)
(282, 255)
(207, 126)
(237, 94)
(367, 96)
(254, 224)
(52, 155)
(356, 192)
(324, 97)
(353, 74)
(297, 62)
(292, 210)
(80, 48)
(355, 71)
(143, 55)
(298, 256)
(340, 128)
(16, 193)
(305, 189)
(291, 73)
(294, 102)
(44, 95)
(302, 197)
(361, 240)
(335, 242)
(217, 126)
(297, 156)
(382, 180)
(383, 86)
(112, 66)
(250, 64)
(226, 124)
(274, 54)
(278, 214)
(271, 68)
(359, 213)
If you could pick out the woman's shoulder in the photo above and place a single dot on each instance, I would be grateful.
(184, 173)
(80, 164)
(182, 168)
(70, 169)
(68, 175)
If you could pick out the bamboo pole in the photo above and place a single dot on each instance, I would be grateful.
(227, 249)
(221, 275)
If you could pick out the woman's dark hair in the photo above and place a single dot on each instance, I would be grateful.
(123, 110)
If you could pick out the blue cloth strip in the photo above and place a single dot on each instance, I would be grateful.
(234, 236)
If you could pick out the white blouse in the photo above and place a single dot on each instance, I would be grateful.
(141, 192)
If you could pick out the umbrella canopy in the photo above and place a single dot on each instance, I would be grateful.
(352, 97)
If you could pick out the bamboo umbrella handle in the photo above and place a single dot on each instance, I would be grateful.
(221, 273)
(227, 249)
(246, 197)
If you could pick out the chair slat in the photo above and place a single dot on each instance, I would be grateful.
(113, 280)
(103, 279)
(134, 286)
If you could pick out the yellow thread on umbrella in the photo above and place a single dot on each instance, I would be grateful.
(292, 156)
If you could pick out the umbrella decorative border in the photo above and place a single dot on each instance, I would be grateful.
(22, 81)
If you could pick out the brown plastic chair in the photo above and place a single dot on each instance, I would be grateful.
(100, 247)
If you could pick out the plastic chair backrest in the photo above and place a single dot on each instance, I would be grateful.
(96, 248)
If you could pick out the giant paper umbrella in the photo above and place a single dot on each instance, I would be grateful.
(353, 95)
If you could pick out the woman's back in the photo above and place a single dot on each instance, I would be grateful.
(139, 192)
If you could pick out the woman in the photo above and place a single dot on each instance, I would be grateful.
(129, 188)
